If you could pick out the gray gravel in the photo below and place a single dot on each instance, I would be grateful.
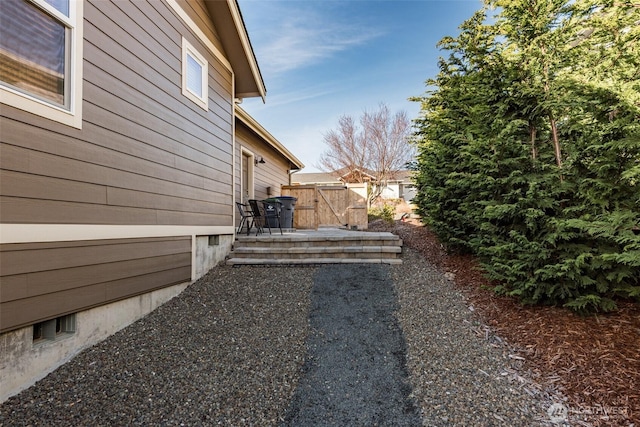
(354, 372)
(226, 351)
(462, 375)
(231, 350)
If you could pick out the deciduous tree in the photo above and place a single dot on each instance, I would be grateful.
(376, 146)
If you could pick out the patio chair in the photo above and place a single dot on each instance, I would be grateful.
(246, 217)
(258, 219)
(272, 211)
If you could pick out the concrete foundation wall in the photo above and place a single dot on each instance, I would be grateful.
(210, 251)
(22, 362)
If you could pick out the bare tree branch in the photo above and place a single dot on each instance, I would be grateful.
(378, 147)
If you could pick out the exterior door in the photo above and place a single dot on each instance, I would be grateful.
(246, 177)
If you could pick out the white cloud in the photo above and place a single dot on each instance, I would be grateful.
(302, 34)
(285, 98)
(298, 46)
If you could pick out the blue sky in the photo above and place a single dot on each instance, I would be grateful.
(321, 59)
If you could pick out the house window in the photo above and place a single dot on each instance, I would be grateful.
(54, 329)
(41, 58)
(195, 75)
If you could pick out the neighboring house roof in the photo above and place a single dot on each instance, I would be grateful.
(340, 176)
(355, 175)
(229, 24)
(403, 176)
(256, 127)
(315, 178)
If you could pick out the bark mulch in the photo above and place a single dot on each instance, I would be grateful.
(594, 361)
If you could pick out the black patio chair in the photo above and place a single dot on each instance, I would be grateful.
(246, 217)
(258, 214)
(272, 211)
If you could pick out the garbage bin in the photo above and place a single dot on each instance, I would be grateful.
(270, 208)
(288, 206)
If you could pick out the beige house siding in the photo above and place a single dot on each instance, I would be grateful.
(47, 280)
(272, 173)
(198, 12)
(146, 154)
(109, 218)
(254, 143)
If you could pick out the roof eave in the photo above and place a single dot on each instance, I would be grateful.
(256, 127)
(227, 18)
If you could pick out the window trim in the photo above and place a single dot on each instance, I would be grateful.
(189, 50)
(23, 101)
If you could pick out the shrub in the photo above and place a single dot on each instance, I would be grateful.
(386, 212)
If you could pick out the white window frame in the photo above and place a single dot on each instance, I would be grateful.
(202, 99)
(23, 101)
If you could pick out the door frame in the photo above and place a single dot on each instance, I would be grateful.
(250, 185)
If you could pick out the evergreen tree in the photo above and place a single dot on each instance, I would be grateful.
(529, 149)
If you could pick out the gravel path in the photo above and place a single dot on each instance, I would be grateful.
(230, 350)
(461, 374)
(354, 372)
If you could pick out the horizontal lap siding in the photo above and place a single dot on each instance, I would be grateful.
(271, 173)
(196, 11)
(45, 280)
(146, 154)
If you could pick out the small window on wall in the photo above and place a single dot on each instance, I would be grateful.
(41, 58)
(195, 75)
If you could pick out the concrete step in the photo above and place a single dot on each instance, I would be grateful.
(305, 242)
(316, 247)
(310, 261)
(317, 252)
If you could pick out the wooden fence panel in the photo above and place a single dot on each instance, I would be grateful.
(327, 206)
(305, 216)
(332, 206)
